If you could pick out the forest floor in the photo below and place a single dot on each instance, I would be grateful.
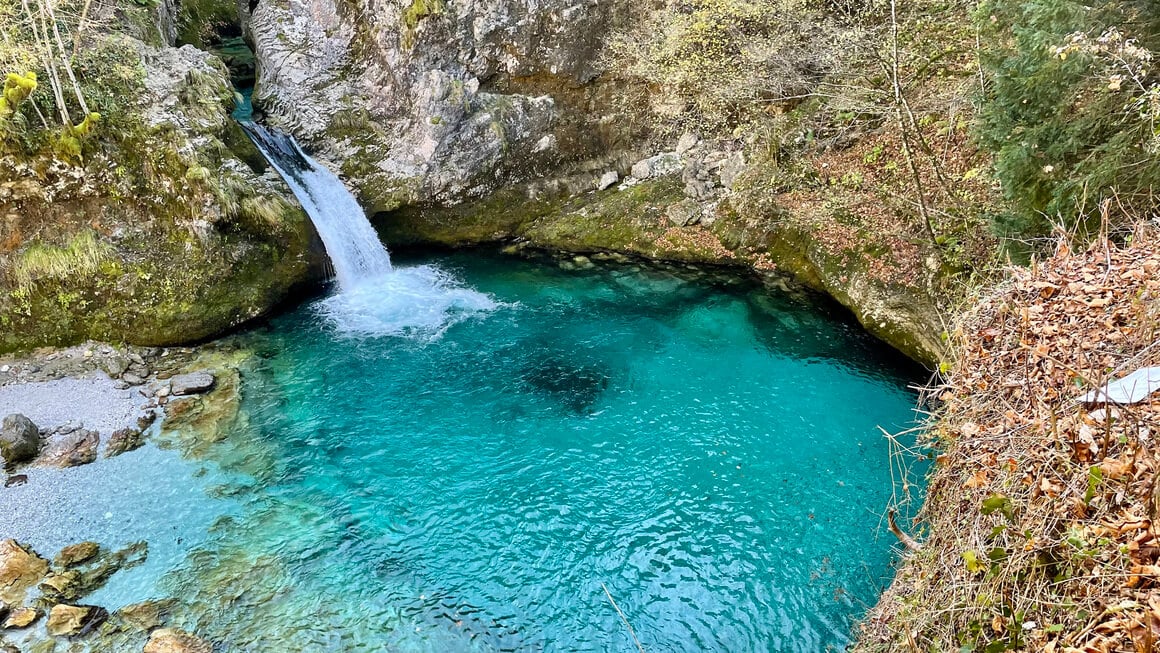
(1040, 518)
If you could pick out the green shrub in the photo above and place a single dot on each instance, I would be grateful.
(1071, 112)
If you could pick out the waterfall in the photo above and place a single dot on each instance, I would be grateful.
(351, 242)
(373, 298)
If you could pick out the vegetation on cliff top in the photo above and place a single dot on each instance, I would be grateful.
(116, 228)
(1042, 508)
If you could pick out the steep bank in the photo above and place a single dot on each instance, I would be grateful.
(1041, 510)
(155, 223)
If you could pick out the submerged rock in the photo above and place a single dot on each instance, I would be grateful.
(146, 615)
(20, 618)
(20, 569)
(76, 448)
(84, 578)
(74, 554)
(173, 640)
(192, 383)
(19, 439)
(74, 620)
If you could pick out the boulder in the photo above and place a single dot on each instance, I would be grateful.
(71, 620)
(20, 569)
(123, 440)
(71, 450)
(607, 180)
(20, 618)
(115, 365)
(16, 480)
(173, 640)
(192, 383)
(641, 169)
(62, 586)
(74, 554)
(19, 439)
(684, 213)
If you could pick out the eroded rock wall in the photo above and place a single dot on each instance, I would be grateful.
(432, 101)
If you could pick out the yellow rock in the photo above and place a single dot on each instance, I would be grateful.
(20, 569)
(172, 640)
(66, 620)
(21, 618)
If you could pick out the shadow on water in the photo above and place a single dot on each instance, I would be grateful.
(575, 385)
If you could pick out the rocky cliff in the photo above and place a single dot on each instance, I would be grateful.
(434, 101)
(162, 226)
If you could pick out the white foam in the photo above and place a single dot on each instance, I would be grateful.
(421, 301)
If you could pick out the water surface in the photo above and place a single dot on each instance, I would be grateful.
(709, 452)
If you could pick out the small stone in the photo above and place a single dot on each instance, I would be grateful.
(686, 142)
(19, 439)
(74, 554)
(132, 379)
(121, 385)
(71, 450)
(172, 640)
(69, 620)
(123, 440)
(5, 368)
(163, 391)
(192, 383)
(607, 180)
(88, 353)
(16, 480)
(69, 427)
(641, 169)
(583, 263)
(21, 618)
(146, 420)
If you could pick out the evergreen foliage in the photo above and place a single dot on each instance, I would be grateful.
(1070, 112)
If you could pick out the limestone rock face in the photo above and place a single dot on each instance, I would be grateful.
(19, 439)
(433, 100)
(20, 569)
(172, 640)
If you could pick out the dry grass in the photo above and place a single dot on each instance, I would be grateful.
(1041, 510)
(81, 257)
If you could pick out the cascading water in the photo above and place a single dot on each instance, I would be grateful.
(373, 298)
(351, 242)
